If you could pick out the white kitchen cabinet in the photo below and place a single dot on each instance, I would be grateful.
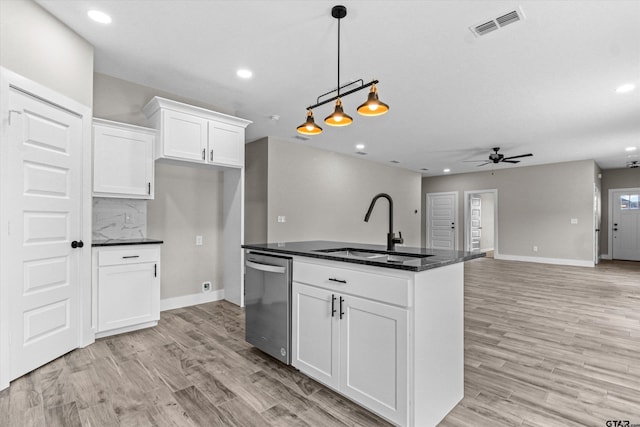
(390, 340)
(127, 288)
(122, 160)
(195, 134)
(351, 343)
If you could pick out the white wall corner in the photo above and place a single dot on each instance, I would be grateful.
(192, 299)
(605, 256)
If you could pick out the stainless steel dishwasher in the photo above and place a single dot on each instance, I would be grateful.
(267, 300)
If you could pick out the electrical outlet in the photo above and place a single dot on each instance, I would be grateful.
(206, 286)
(574, 221)
(282, 218)
(128, 218)
(535, 249)
(198, 240)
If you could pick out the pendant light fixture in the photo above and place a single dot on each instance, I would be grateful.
(371, 107)
(309, 127)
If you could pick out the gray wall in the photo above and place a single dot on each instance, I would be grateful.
(188, 197)
(256, 191)
(325, 195)
(36, 45)
(614, 178)
(535, 206)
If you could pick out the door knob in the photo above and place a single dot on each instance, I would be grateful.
(615, 229)
(77, 244)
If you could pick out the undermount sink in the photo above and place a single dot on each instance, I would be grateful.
(372, 255)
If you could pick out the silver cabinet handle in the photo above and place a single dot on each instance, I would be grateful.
(204, 150)
(211, 156)
(265, 267)
(131, 256)
(333, 279)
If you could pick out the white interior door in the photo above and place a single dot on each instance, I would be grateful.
(475, 206)
(626, 225)
(44, 216)
(442, 210)
(597, 209)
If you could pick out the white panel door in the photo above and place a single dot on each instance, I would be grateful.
(626, 225)
(442, 209)
(226, 144)
(475, 206)
(45, 193)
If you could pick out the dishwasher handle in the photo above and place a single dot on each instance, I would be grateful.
(265, 267)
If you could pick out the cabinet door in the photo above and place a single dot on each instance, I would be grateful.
(315, 333)
(226, 144)
(122, 163)
(127, 295)
(184, 136)
(373, 353)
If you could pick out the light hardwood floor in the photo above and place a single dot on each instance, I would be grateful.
(544, 346)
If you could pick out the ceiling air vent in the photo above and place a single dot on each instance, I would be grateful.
(487, 27)
(362, 153)
(301, 138)
(493, 24)
(394, 161)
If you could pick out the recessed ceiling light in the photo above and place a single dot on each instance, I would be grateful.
(447, 170)
(626, 88)
(100, 17)
(631, 149)
(244, 73)
(360, 146)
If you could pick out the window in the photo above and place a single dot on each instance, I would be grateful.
(630, 201)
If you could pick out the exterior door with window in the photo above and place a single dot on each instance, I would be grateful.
(475, 206)
(626, 225)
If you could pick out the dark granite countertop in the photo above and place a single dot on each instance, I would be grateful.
(313, 249)
(121, 242)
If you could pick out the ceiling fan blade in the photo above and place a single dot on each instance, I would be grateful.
(517, 157)
(510, 161)
(485, 163)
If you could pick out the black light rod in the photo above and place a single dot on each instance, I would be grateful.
(372, 82)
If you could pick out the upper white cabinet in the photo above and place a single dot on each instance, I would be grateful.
(122, 160)
(196, 134)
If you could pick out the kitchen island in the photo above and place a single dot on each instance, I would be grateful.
(383, 328)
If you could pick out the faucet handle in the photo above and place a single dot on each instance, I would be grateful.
(399, 239)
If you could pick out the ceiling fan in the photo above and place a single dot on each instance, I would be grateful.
(496, 157)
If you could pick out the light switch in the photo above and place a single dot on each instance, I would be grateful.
(198, 240)
(574, 220)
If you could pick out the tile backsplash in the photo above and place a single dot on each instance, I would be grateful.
(119, 218)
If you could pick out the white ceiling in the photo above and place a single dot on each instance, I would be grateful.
(545, 85)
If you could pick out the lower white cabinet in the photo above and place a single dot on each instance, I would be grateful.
(355, 345)
(390, 340)
(127, 285)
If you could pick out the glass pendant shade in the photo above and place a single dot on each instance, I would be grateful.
(309, 127)
(338, 117)
(373, 106)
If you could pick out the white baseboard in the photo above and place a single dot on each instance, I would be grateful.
(556, 261)
(605, 256)
(189, 300)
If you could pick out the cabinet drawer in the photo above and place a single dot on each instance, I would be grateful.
(129, 255)
(341, 278)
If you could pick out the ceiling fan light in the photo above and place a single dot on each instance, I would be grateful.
(309, 127)
(373, 106)
(338, 117)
